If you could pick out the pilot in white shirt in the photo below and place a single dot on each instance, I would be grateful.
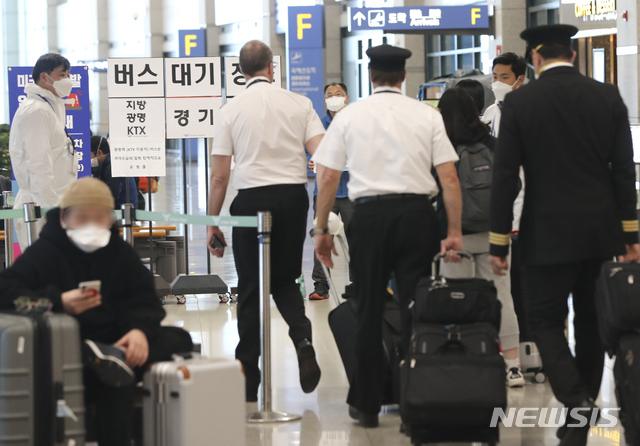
(266, 129)
(390, 143)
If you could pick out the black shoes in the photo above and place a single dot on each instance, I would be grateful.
(320, 292)
(309, 369)
(577, 436)
(108, 363)
(365, 419)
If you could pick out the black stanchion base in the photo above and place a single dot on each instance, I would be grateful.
(198, 284)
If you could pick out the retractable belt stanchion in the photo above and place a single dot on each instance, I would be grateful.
(127, 223)
(266, 414)
(206, 195)
(30, 218)
(8, 231)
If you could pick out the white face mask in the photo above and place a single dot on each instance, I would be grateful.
(500, 89)
(336, 103)
(62, 87)
(94, 162)
(90, 237)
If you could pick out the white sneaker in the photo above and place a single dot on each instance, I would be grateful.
(515, 377)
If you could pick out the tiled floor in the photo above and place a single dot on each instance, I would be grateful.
(325, 419)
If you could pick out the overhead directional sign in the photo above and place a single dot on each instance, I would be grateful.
(415, 18)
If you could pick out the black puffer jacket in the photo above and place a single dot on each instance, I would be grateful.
(54, 265)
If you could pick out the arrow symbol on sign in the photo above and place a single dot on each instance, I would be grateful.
(359, 17)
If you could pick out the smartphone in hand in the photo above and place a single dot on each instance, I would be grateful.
(217, 243)
(93, 285)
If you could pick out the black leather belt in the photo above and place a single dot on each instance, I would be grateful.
(389, 197)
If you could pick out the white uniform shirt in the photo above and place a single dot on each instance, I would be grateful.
(265, 128)
(389, 142)
(492, 117)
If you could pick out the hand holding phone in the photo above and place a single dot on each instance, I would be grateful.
(92, 285)
(217, 243)
(216, 240)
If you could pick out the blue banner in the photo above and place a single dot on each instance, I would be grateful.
(305, 42)
(192, 42)
(415, 18)
(78, 108)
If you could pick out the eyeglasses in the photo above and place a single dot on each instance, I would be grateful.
(337, 95)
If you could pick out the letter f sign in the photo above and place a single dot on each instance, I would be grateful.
(189, 43)
(475, 14)
(302, 26)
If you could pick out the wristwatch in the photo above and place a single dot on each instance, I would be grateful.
(322, 231)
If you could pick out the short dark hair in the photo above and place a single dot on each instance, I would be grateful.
(518, 64)
(475, 90)
(47, 63)
(101, 143)
(255, 56)
(556, 51)
(387, 78)
(337, 84)
(460, 117)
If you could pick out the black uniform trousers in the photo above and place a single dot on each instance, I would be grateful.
(398, 235)
(110, 409)
(573, 380)
(289, 205)
(518, 288)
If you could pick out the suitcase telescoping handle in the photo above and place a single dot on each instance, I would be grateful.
(435, 265)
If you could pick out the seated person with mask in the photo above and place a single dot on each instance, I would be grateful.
(120, 325)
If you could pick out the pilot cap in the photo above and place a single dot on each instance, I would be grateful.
(548, 35)
(387, 58)
(87, 191)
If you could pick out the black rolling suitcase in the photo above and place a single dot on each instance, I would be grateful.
(440, 300)
(41, 386)
(617, 301)
(343, 321)
(627, 376)
(451, 381)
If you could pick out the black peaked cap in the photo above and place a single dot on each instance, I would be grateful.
(388, 58)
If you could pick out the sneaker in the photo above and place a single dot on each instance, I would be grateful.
(515, 377)
(109, 364)
(309, 369)
(319, 293)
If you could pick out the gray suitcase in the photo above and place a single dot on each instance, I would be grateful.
(194, 402)
(41, 387)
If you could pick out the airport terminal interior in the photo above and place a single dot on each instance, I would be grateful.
(325, 418)
(93, 34)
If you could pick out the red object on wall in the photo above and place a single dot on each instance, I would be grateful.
(498, 50)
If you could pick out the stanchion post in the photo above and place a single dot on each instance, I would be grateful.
(8, 231)
(127, 223)
(266, 414)
(206, 196)
(30, 218)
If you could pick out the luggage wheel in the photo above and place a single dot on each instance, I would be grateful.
(233, 299)
(540, 377)
(163, 300)
(181, 299)
(224, 298)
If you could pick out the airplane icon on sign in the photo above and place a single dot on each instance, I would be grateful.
(377, 18)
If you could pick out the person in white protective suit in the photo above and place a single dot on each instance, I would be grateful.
(43, 156)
